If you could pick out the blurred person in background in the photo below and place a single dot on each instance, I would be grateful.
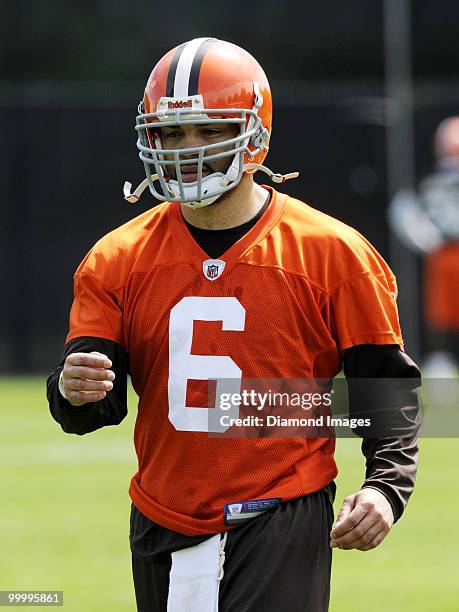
(427, 222)
(228, 279)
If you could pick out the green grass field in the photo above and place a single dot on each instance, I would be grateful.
(65, 517)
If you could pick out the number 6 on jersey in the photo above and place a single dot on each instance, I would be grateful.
(184, 366)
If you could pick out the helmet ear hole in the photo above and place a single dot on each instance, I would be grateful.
(259, 139)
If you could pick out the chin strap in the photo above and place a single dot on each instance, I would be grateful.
(274, 176)
(132, 198)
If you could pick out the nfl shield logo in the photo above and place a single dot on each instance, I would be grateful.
(235, 508)
(213, 268)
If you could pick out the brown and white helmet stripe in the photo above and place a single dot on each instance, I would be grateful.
(183, 75)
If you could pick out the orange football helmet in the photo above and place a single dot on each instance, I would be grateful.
(204, 81)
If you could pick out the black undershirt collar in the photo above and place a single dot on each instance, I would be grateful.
(216, 242)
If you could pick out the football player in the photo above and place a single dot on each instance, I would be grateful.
(427, 222)
(222, 282)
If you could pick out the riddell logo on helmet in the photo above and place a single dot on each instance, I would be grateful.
(188, 105)
(180, 104)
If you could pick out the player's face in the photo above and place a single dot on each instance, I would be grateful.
(187, 136)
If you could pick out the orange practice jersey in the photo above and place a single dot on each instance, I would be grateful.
(296, 290)
(442, 288)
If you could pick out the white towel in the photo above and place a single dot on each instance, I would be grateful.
(194, 578)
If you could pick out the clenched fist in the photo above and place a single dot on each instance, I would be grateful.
(86, 377)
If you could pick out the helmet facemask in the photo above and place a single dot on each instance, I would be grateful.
(167, 163)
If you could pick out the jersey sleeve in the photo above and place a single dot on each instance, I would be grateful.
(363, 306)
(97, 308)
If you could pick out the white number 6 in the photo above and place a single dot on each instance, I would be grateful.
(184, 366)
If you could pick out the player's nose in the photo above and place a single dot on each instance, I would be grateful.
(192, 137)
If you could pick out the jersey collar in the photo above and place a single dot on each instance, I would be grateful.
(192, 251)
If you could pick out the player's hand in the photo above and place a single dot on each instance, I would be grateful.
(86, 377)
(364, 520)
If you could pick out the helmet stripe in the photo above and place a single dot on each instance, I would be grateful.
(185, 65)
(196, 67)
(173, 70)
